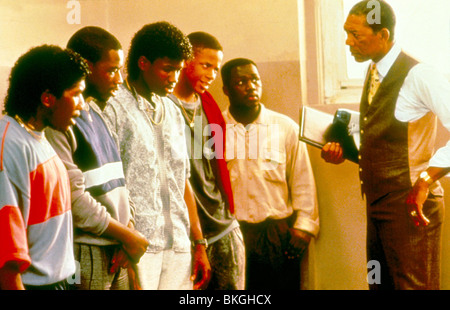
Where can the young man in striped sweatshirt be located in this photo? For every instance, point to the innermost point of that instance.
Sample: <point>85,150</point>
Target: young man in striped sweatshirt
<point>105,238</point>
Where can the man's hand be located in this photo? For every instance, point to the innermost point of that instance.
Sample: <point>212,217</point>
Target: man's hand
<point>298,244</point>
<point>415,200</point>
<point>10,278</point>
<point>201,271</point>
<point>135,245</point>
<point>332,152</point>
<point>119,260</point>
<point>133,242</point>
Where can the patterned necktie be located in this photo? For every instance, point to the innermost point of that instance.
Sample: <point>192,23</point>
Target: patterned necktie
<point>374,82</point>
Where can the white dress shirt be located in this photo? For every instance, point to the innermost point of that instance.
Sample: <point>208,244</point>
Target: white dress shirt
<point>426,90</point>
<point>270,171</point>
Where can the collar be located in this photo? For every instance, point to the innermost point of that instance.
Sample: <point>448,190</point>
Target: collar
<point>385,64</point>
<point>90,103</point>
<point>259,120</point>
<point>38,135</point>
<point>183,104</point>
<point>143,103</point>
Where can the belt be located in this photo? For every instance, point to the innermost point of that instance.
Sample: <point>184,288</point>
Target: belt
<point>232,226</point>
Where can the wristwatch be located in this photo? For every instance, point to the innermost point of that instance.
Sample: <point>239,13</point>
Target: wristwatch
<point>200,241</point>
<point>426,177</point>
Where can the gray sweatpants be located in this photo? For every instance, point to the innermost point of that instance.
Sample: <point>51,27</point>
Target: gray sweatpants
<point>95,263</point>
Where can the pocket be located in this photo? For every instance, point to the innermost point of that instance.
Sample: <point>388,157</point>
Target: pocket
<point>273,165</point>
<point>433,209</point>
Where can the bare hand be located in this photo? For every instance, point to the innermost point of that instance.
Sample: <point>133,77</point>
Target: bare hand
<point>119,260</point>
<point>201,273</point>
<point>415,200</point>
<point>135,246</point>
<point>332,152</point>
<point>298,244</point>
<point>133,277</point>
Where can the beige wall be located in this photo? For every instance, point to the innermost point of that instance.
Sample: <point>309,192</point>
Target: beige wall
<point>266,31</point>
<point>263,30</point>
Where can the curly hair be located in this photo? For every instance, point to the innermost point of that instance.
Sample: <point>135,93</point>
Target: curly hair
<point>157,40</point>
<point>43,68</point>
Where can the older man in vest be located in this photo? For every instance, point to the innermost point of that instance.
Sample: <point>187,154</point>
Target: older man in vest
<point>398,170</point>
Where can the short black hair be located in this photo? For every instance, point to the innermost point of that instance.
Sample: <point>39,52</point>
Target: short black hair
<point>387,15</point>
<point>157,40</point>
<point>202,39</point>
<point>43,68</point>
<point>92,42</point>
<point>233,63</point>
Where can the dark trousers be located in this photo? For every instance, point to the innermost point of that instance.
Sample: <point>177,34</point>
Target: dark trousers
<point>267,265</point>
<point>409,257</point>
<point>59,286</point>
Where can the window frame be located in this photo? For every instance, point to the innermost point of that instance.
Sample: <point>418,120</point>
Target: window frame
<point>338,87</point>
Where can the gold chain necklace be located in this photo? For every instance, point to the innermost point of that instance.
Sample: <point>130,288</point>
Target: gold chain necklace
<point>191,122</point>
<point>149,111</point>
<point>28,128</point>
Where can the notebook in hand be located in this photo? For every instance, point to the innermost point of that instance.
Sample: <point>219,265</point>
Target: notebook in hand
<point>318,127</point>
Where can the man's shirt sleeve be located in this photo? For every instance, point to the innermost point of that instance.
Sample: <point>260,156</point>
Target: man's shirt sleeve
<point>13,238</point>
<point>424,90</point>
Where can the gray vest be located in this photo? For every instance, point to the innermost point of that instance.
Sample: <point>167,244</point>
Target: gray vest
<point>383,156</point>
